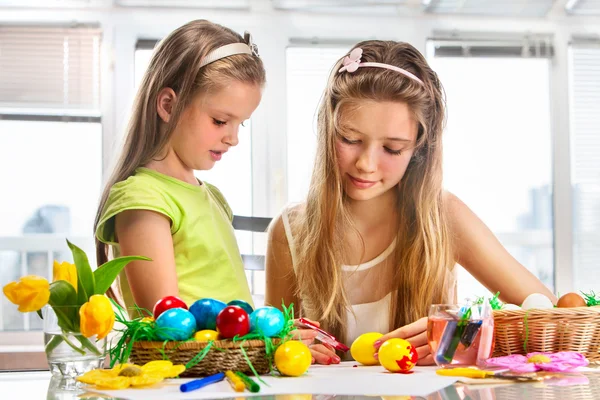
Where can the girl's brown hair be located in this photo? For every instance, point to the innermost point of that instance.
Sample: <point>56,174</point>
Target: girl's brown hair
<point>423,254</point>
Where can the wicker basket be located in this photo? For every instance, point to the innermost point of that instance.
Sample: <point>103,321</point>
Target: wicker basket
<point>559,329</point>
<point>224,355</point>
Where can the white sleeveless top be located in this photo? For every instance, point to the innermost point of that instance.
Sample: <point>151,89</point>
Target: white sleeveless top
<point>370,299</point>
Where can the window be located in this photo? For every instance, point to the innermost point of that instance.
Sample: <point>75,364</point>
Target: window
<point>498,151</point>
<point>307,70</point>
<point>584,71</point>
<point>51,135</point>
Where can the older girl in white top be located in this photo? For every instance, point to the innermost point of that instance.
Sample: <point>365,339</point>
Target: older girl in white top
<point>376,242</point>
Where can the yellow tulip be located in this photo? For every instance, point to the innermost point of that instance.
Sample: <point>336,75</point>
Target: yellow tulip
<point>97,317</point>
<point>66,272</point>
<point>31,293</point>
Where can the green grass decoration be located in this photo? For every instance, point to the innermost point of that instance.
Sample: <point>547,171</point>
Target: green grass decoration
<point>135,330</point>
<point>495,302</point>
<point>591,299</point>
<point>526,326</point>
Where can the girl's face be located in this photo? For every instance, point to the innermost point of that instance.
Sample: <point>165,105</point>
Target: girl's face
<point>209,126</point>
<point>374,146</point>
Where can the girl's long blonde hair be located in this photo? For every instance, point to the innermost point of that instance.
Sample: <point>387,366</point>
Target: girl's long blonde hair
<point>175,64</point>
<point>423,254</point>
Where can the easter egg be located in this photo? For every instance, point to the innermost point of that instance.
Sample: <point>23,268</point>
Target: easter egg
<point>510,307</point>
<point>536,300</point>
<point>362,348</point>
<point>205,311</point>
<point>232,321</point>
<point>166,303</point>
<point>397,355</point>
<point>206,335</point>
<point>175,324</point>
<point>293,358</point>
<point>571,300</point>
<point>241,303</point>
<point>267,320</point>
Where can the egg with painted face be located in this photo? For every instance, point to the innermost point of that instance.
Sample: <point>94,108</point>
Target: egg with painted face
<point>398,355</point>
<point>267,320</point>
<point>205,312</point>
<point>175,324</point>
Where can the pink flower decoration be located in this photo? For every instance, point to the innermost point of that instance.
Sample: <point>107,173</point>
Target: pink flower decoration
<point>352,61</point>
<point>554,362</point>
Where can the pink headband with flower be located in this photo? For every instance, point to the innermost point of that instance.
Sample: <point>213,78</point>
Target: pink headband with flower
<point>352,62</point>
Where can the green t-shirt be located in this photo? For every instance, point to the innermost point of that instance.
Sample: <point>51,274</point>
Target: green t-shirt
<point>207,257</point>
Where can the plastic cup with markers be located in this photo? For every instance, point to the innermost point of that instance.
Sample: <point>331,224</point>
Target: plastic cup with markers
<point>461,334</point>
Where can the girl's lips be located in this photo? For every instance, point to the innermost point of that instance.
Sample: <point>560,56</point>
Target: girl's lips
<point>361,183</point>
<point>216,155</point>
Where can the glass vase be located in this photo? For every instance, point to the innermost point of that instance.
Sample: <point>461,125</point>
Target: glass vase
<point>70,354</point>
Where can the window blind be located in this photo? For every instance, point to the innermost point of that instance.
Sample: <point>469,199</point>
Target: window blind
<point>584,63</point>
<point>486,44</point>
<point>50,70</point>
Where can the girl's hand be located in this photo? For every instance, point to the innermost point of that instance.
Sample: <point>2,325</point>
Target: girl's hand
<point>323,354</point>
<point>416,334</point>
<point>306,336</point>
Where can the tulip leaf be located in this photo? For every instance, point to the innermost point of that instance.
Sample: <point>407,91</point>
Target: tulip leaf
<point>63,300</point>
<point>85,276</point>
<point>106,274</point>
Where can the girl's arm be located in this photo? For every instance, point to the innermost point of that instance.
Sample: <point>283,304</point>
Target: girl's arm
<point>282,286</point>
<point>481,254</point>
<point>280,276</point>
<point>147,233</point>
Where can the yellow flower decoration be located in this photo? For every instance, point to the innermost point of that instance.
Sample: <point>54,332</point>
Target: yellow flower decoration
<point>125,375</point>
<point>31,293</point>
<point>97,317</point>
<point>66,272</point>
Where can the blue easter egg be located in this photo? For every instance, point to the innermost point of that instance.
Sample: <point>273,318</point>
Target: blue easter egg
<point>268,320</point>
<point>243,304</point>
<point>175,324</point>
<point>205,311</point>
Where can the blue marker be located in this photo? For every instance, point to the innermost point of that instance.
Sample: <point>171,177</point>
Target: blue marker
<point>200,383</point>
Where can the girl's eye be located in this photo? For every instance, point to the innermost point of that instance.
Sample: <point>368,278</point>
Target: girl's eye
<point>218,122</point>
<point>244,124</point>
<point>393,152</point>
<point>346,140</point>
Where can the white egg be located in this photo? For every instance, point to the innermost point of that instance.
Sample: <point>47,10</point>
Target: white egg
<point>510,307</point>
<point>536,300</point>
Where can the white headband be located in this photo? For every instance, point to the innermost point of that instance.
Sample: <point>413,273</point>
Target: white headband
<point>230,50</point>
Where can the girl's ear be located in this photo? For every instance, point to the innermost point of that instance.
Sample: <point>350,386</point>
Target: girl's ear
<point>165,103</point>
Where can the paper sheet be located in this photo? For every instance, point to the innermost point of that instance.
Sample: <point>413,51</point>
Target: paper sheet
<point>342,379</point>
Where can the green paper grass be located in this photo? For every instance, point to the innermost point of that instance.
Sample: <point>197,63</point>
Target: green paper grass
<point>137,330</point>
<point>591,298</point>
<point>495,302</point>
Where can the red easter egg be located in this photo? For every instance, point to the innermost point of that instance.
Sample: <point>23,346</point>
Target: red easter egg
<point>166,303</point>
<point>232,321</point>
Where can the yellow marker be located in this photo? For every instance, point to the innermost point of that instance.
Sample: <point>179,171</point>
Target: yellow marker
<point>479,374</point>
<point>235,381</point>
<point>465,372</point>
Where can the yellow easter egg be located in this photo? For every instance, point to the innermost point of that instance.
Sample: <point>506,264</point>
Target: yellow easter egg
<point>206,335</point>
<point>362,349</point>
<point>398,355</point>
<point>293,358</point>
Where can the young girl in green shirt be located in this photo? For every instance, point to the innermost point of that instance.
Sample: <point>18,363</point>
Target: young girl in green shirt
<point>202,82</point>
